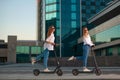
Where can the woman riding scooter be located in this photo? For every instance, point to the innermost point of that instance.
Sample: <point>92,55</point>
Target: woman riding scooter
<point>87,43</point>
<point>48,46</point>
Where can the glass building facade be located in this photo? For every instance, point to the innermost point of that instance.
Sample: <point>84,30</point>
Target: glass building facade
<point>106,32</point>
<point>92,7</point>
<point>107,35</point>
<point>68,16</point>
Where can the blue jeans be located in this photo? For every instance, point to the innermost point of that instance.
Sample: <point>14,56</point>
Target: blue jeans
<point>86,49</point>
<point>44,54</point>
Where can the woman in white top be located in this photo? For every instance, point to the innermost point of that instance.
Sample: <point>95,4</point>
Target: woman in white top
<point>87,43</point>
<point>48,46</point>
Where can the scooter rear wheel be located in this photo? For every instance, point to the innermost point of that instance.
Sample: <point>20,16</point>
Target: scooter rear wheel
<point>59,72</point>
<point>36,72</point>
<point>75,72</point>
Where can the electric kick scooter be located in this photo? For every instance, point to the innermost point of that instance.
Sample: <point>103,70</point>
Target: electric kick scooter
<point>57,70</point>
<point>95,70</point>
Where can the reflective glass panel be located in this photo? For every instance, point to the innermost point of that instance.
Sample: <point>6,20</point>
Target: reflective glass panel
<point>50,16</point>
<point>51,8</point>
<point>50,1</point>
<point>107,35</point>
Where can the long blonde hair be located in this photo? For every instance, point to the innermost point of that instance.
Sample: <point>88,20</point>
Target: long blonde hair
<point>50,30</point>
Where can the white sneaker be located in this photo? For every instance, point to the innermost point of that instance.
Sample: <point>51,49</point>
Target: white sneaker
<point>86,70</point>
<point>71,58</point>
<point>46,70</point>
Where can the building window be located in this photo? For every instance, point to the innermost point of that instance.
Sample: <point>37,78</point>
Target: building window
<point>98,3</point>
<point>92,7</point>
<point>83,15</point>
<point>88,11</point>
<point>83,7</point>
<point>73,7</point>
<point>36,50</point>
<point>22,50</point>
<point>50,8</point>
<point>73,24</point>
<point>73,1</point>
<point>73,16</point>
<point>109,51</point>
<point>50,1</point>
<point>88,3</point>
<point>50,16</point>
<point>83,23</point>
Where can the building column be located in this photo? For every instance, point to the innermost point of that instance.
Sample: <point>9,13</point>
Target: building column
<point>12,42</point>
<point>30,53</point>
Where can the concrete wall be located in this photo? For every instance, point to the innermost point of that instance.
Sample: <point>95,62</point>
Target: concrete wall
<point>3,52</point>
<point>12,41</point>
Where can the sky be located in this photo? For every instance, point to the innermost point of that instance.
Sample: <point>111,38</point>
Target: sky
<point>19,18</point>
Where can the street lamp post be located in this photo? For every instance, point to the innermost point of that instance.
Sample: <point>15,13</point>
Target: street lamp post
<point>80,18</point>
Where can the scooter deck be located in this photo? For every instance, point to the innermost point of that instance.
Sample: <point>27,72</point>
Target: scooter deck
<point>49,72</point>
<point>85,71</point>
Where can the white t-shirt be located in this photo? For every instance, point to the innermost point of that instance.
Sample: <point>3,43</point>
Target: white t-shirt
<point>87,40</point>
<point>51,38</point>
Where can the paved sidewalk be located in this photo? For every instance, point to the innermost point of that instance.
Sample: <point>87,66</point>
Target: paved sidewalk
<point>24,72</point>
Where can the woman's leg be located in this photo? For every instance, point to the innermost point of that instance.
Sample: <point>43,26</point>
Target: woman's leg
<point>46,55</point>
<point>86,49</point>
<point>41,55</point>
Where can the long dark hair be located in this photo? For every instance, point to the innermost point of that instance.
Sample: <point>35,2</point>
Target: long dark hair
<point>50,30</point>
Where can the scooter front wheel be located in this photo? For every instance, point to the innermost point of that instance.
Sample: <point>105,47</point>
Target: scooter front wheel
<point>36,72</point>
<point>75,72</point>
<point>59,72</point>
<point>98,72</point>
